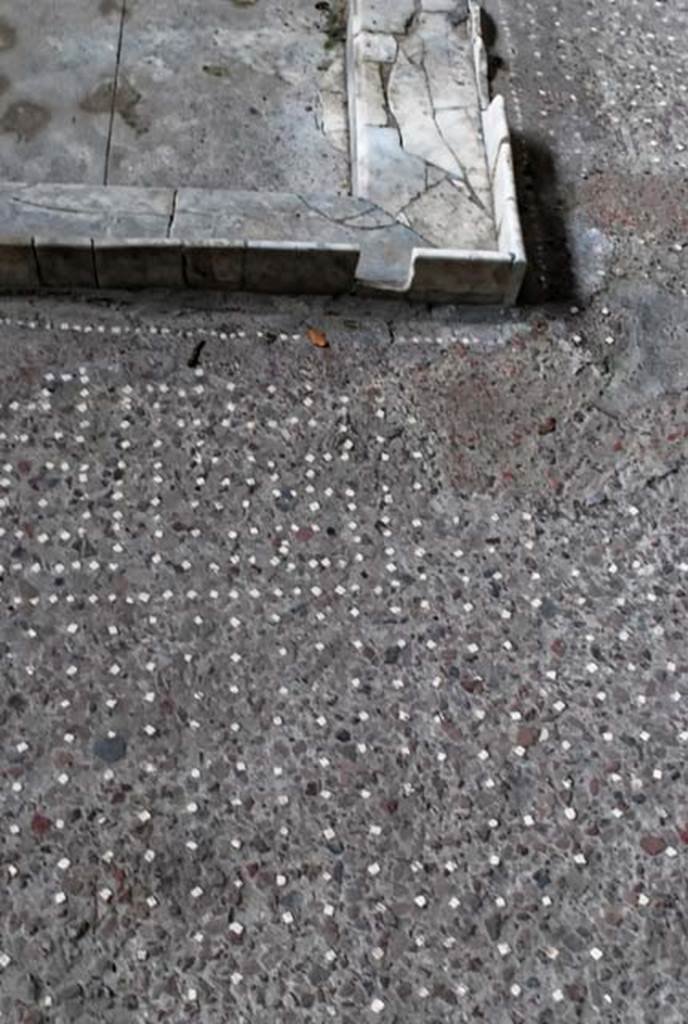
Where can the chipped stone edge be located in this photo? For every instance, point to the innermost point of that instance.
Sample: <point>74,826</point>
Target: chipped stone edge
<point>66,260</point>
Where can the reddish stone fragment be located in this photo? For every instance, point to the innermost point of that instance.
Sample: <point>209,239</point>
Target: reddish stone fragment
<point>576,992</point>
<point>119,876</point>
<point>40,824</point>
<point>527,736</point>
<point>653,845</point>
<point>472,684</point>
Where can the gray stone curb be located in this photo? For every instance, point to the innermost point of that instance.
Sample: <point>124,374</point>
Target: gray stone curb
<point>109,237</point>
<point>286,267</point>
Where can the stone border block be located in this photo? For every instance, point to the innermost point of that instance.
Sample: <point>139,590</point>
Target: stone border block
<point>471,276</point>
<point>18,266</point>
<point>511,240</point>
<point>214,263</point>
<point>138,263</point>
<point>65,263</point>
<point>84,211</point>
<point>501,166</point>
<point>495,130</point>
<point>300,268</point>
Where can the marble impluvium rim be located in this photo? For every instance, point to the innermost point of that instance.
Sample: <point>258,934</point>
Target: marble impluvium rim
<point>433,214</point>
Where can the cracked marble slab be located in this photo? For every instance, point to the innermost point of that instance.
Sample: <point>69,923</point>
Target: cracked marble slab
<point>416,123</point>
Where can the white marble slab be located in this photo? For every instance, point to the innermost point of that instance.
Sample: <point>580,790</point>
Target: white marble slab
<point>416,131</point>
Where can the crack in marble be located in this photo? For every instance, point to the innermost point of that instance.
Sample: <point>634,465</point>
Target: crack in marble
<point>348,221</point>
<point>421,118</point>
<point>173,212</point>
<point>465,177</point>
<point>428,188</point>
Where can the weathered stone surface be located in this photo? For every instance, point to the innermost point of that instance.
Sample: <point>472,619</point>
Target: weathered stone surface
<point>304,269</point>
<point>503,191</point>
<point>475,277</point>
<point>226,96</point>
<point>503,182</point>
<point>417,119</point>
<point>214,264</point>
<point>470,218</point>
<point>387,265</point>
<point>495,130</point>
<point>387,174</point>
<point>18,266</point>
<point>480,62</point>
<point>550,554</point>
<point>458,8</point>
<point>65,263</point>
<point>443,52</point>
<point>389,16</point>
<point>414,113</point>
<point>68,211</point>
<point>138,265</point>
<point>370,97</point>
<point>332,106</point>
<point>460,129</point>
<point>377,47</point>
<point>55,107</point>
<point>260,216</point>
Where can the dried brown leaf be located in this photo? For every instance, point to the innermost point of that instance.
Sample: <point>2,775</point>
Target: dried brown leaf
<point>317,338</point>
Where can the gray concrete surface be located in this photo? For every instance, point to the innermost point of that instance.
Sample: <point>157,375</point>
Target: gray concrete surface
<point>54,57</point>
<point>351,683</point>
<point>245,109</point>
<point>226,96</point>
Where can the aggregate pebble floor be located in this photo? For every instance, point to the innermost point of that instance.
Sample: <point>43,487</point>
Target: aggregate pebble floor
<point>351,684</point>
<point>306,717</point>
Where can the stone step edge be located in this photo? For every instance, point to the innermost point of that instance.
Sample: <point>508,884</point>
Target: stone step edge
<point>473,277</point>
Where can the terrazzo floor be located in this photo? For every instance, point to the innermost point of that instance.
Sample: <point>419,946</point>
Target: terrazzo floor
<point>319,703</point>
<point>491,829</point>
